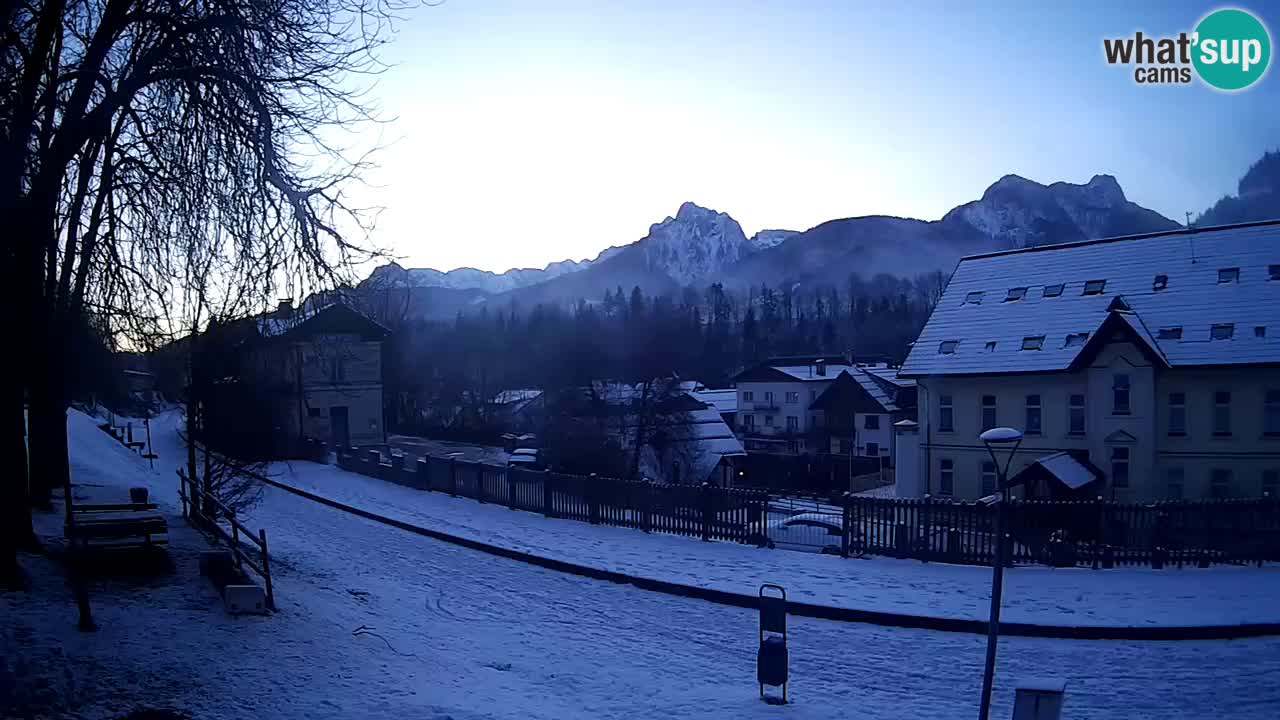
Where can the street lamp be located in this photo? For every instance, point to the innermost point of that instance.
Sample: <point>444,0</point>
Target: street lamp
<point>1001,437</point>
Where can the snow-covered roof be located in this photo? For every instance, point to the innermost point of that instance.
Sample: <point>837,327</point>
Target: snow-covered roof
<point>1068,470</point>
<point>1178,286</point>
<point>724,401</point>
<point>874,389</point>
<point>810,372</point>
<point>890,375</point>
<point>520,395</point>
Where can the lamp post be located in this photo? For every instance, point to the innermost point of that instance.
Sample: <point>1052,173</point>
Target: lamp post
<point>1001,437</point>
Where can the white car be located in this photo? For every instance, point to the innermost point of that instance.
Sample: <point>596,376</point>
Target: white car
<point>806,532</point>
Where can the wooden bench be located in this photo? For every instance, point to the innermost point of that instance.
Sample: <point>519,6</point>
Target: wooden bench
<point>117,526</point>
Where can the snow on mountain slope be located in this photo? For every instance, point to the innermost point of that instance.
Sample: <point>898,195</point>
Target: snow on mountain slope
<point>695,244</point>
<point>772,238</point>
<point>1017,212</point>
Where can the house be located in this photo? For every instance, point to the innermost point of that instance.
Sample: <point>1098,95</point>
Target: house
<point>724,401</point>
<point>821,404</point>
<point>1138,368</point>
<point>324,368</point>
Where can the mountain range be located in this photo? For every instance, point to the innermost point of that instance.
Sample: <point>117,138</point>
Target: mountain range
<point>699,246</point>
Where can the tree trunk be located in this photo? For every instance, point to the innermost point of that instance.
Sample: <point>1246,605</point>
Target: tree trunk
<point>17,532</point>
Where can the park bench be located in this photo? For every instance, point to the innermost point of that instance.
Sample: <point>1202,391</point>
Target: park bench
<point>110,526</point>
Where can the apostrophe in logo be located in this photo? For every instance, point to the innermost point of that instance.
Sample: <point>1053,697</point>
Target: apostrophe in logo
<point>1233,49</point>
<point>1229,49</point>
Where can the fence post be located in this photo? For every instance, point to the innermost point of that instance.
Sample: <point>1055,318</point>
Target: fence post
<point>1097,538</point>
<point>235,539</point>
<point>547,507</point>
<point>926,527</point>
<point>704,495</point>
<point>844,523</point>
<point>511,489</point>
<point>266,568</point>
<point>592,491</point>
<point>646,512</point>
<point>453,477</point>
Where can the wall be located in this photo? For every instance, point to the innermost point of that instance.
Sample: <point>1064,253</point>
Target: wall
<point>808,392</point>
<point>1152,451</point>
<point>364,413</point>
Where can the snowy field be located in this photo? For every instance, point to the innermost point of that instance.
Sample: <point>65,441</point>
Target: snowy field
<point>470,635</point>
<point>1058,596</point>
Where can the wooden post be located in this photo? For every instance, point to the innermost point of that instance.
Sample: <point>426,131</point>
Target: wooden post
<point>1097,538</point>
<point>511,488</point>
<point>592,491</point>
<point>235,539</point>
<point>547,508</point>
<point>844,524</point>
<point>705,496</point>
<point>266,569</point>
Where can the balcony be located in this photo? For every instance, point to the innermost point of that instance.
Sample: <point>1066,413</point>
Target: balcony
<point>761,406</point>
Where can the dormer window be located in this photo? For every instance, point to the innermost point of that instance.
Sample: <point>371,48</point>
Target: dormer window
<point>1033,342</point>
<point>1228,275</point>
<point>1260,331</point>
<point>1053,290</point>
<point>991,346</point>
<point>947,347</point>
<point>1273,272</point>
<point>1075,339</point>
<point>973,298</point>
<point>1094,287</point>
<point>1222,331</point>
<point>1160,283</point>
<point>1169,333</point>
<point>1015,294</point>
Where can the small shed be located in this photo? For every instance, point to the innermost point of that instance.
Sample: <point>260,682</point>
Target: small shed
<point>1066,475</point>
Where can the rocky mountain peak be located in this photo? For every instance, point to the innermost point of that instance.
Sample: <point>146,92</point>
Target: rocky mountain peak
<point>694,244</point>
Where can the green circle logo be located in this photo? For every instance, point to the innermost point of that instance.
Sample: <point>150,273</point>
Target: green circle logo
<point>1232,49</point>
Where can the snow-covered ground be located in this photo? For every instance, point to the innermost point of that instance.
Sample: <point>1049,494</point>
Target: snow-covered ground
<point>1057,596</point>
<point>468,635</point>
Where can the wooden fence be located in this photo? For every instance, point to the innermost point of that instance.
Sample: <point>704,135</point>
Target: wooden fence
<point>215,518</point>
<point>1091,534</point>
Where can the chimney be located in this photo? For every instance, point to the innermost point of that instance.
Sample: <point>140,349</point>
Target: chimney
<point>285,308</point>
<point>821,365</point>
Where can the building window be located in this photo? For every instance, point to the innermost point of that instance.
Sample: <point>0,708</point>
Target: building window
<point>1160,283</point>
<point>1222,413</point>
<point>873,449</point>
<point>793,423</point>
<point>988,412</point>
<point>1175,481</point>
<point>1270,483</point>
<point>748,396</point>
<point>947,347</point>
<point>1120,394</point>
<point>793,397</point>
<point>1271,413</point>
<point>768,398</point>
<point>988,478</point>
<point>768,421</point>
<point>813,395</point>
<point>1228,275</point>
<point>1120,467</point>
<point>871,422</point>
<point>313,412</point>
<point>1094,287</point>
<point>1075,339</point>
<point>973,298</point>
<point>1033,342</point>
<point>1053,290</point>
<point>1033,415</point>
<point>1222,331</point>
<point>844,446</point>
<point>1220,483</point>
<point>1075,417</point>
<point>1273,272</point>
<point>749,422</point>
<point>1259,331</point>
<point>1169,333</point>
<point>1177,414</point>
<point>946,478</point>
<point>815,421</point>
<point>946,414</point>
<point>1015,294</point>
<point>990,346</point>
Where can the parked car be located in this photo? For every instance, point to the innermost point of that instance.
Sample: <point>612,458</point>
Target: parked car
<point>806,532</point>
<point>526,458</point>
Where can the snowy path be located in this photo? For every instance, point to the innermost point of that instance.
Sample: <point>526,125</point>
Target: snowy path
<point>492,638</point>
<point>1072,596</point>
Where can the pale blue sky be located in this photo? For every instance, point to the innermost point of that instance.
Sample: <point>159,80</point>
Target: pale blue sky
<point>530,131</point>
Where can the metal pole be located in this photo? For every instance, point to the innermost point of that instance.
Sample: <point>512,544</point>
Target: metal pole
<point>997,584</point>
